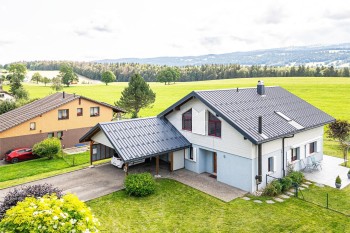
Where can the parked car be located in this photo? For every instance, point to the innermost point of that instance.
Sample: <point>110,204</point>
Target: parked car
<point>19,154</point>
<point>119,163</point>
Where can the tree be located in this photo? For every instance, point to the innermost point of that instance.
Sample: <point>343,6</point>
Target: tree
<point>168,75</point>
<point>50,214</point>
<point>46,80</point>
<point>340,130</point>
<point>67,75</point>
<point>136,96</point>
<point>21,93</point>
<point>49,147</point>
<point>108,77</point>
<point>6,106</point>
<point>37,77</point>
<point>56,83</point>
<point>17,74</point>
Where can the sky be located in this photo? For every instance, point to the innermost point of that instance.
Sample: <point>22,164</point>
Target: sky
<point>85,30</point>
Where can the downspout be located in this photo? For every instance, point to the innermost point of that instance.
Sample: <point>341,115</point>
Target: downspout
<point>258,177</point>
<point>283,167</point>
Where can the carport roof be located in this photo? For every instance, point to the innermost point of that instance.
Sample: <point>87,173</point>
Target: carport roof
<point>140,138</point>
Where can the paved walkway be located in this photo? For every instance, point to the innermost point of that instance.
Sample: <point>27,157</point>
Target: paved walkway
<point>87,184</point>
<point>331,168</point>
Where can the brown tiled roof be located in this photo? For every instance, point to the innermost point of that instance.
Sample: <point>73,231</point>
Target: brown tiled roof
<point>41,106</point>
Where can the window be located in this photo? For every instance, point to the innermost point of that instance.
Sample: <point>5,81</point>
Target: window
<point>190,154</point>
<point>187,120</point>
<point>2,95</point>
<point>94,111</point>
<point>79,111</point>
<point>313,147</point>
<point>214,126</point>
<point>271,164</point>
<point>63,114</point>
<point>50,135</point>
<point>60,135</point>
<point>32,126</point>
<point>295,154</point>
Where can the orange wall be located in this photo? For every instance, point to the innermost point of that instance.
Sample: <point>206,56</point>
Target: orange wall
<point>49,122</point>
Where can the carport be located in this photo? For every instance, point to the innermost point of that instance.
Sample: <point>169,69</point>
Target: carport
<point>137,139</point>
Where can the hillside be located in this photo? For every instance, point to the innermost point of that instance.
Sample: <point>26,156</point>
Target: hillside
<point>337,55</point>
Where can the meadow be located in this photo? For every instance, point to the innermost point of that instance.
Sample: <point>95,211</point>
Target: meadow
<point>328,94</point>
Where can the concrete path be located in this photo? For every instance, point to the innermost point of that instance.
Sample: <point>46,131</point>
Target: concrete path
<point>87,184</point>
<point>331,168</point>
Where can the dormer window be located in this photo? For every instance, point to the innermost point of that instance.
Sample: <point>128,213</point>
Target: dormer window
<point>214,126</point>
<point>187,120</point>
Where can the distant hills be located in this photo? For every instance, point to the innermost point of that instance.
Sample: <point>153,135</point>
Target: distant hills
<point>337,55</point>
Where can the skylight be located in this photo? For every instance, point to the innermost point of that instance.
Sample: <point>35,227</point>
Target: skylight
<point>283,116</point>
<point>290,121</point>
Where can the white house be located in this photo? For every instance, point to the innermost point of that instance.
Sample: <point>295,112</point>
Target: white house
<point>242,137</point>
<point>5,95</point>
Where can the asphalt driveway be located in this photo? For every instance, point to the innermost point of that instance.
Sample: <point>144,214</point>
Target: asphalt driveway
<point>87,183</point>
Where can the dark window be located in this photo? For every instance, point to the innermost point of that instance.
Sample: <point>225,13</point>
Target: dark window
<point>2,95</point>
<point>60,135</point>
<point>32,126</point>
<point>313,147</point>
<point>191,153</point>
<point>214,126</point>
<point>94,111</point>
<point>187,120</point>
<point>79,111</point>
<point>50,135</point>
<point>271,164</point>
<point>295,154</point>
<point>63,114</point>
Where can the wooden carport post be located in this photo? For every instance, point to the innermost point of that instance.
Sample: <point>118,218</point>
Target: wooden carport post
<point>157,166</point>
<point>126,169</point>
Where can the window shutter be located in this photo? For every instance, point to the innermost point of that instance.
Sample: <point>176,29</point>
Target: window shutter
<point>318,146</point>
<point>194,151</point>
<point>274,164</point>
<point>289,155</point>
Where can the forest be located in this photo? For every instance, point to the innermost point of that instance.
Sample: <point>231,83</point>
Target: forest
<point>190,73</point>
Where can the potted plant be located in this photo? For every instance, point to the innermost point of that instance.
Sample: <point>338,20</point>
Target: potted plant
<point>338,182</point>
<point>349,174</point>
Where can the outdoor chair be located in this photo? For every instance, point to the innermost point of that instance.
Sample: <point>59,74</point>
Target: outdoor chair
<point>307,166</point>
<point>316,164</point>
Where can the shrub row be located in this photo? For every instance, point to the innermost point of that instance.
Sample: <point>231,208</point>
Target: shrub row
<point>140,185</point>
<point>277,187</point>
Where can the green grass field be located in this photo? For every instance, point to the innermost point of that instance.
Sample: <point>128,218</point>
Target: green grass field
<point>178,208</point>
<point>328,94</point>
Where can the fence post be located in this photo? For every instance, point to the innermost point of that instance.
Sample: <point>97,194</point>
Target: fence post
<point>327,200</point>
<point>296,189</point>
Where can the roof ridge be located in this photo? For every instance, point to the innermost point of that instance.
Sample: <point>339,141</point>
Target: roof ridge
<point>232,89</point>
<point>127,120</point>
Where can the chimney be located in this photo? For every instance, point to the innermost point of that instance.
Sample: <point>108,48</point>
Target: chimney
<point>261,87</point>
<point>63,94</point>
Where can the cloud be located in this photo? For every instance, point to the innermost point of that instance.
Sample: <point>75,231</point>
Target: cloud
<point>339,15</point>
<point>5,42</point>
<point>210,41</point>
<point>273,15</point>
<point>102,28</point>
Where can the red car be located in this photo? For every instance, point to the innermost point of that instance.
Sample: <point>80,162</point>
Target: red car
<point>19,154</point>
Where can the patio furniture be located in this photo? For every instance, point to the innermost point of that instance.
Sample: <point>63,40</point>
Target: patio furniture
<point>308,166</point>
<point>316,164</point>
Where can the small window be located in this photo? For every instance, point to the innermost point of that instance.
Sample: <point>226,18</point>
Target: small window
<point>2,95</point>
<point>214,126</point>
<point>60,135</point>
<point>295,154</point>
<point>187,120</point>
<point>313,147</point>
<point>271,164</point>
<point>50,135</point>
<point>79,111</point>
<point>94,111</point>
<point>63,114</point>
<point>189,153</point>
<point>32,126</point>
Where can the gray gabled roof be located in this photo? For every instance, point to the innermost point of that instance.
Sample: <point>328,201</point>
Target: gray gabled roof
<point>140,138</point>
<point>242,107</point>
<point>29,111</point>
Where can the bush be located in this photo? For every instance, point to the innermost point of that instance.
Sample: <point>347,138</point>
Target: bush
<point>140,185</point>
<point>338,180</point>
<point>273,188</point>
<point>286,183</point>
<point>13,197</point>
<point>6,106</point>
<point>49,148</point>
<point>49,214</point>
<point>297,177</point>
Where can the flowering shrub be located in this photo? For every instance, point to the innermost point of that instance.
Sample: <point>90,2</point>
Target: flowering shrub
<point>19,194</point>
<point>49,214</point>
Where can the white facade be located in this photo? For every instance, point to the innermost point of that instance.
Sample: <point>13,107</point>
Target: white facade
<point>5,96</point>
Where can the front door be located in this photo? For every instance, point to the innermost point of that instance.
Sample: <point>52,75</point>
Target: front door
<point>214,163</point>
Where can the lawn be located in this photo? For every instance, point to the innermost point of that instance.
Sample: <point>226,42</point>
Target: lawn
<point>178,208</point>
<point>40,168</point>
<point>329,94</point>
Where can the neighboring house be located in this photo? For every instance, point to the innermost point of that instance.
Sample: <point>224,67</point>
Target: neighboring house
<point>62,115</point>
<point>240,136</point>
<point>5,95</point>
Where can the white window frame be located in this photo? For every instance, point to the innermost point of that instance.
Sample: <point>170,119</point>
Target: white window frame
<point>273,169</point>
<point>32,126</point>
